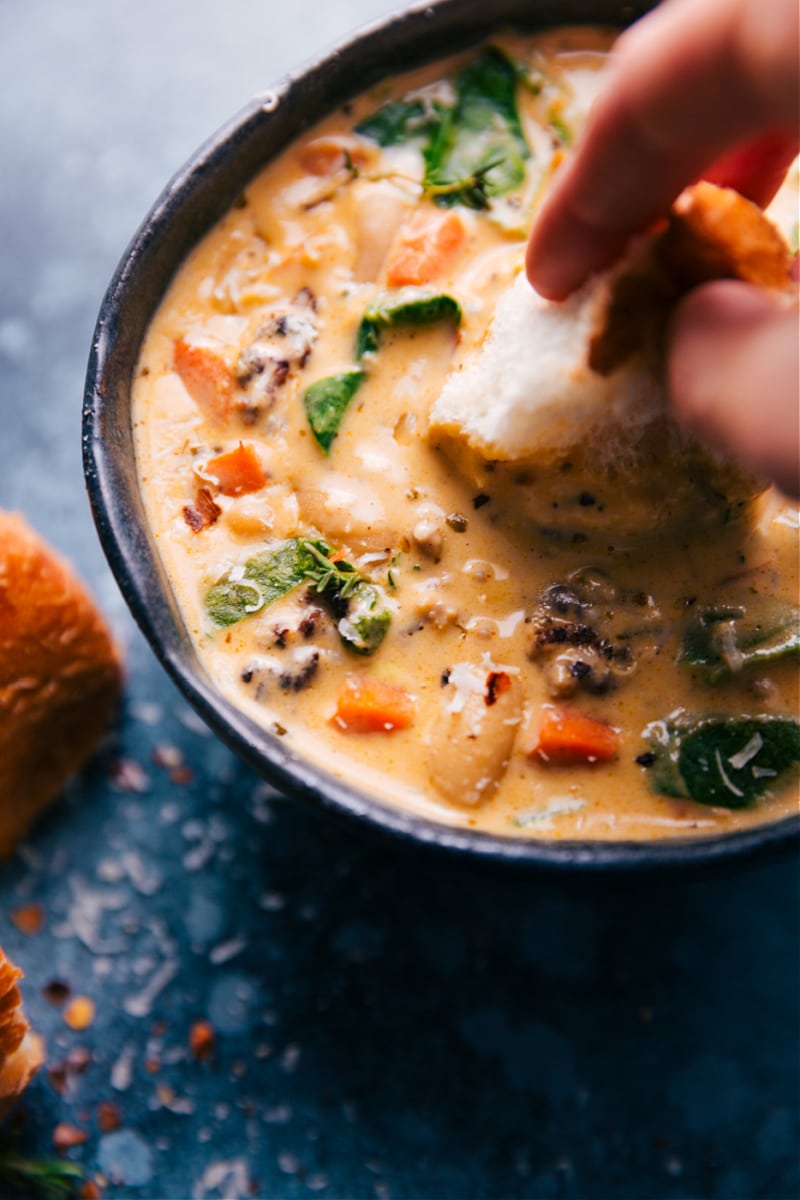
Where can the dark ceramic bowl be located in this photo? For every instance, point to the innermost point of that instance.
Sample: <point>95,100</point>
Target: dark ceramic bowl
<point>191,203</point>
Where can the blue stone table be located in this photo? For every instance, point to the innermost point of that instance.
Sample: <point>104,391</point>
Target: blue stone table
<point>386,1026</point>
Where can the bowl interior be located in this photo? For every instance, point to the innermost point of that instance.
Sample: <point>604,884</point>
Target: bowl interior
<point>191,203</point>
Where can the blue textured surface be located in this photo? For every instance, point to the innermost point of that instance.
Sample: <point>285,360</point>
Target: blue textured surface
<point>388,1026</point>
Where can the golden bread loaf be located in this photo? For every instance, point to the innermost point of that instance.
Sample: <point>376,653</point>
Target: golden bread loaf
<point>21,1051</point>
<point>60,676</point>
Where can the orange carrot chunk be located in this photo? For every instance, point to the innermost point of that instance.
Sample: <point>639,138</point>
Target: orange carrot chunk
<point>424,247</point>
<point>206,377</point>
<point>237,472</point>
<point>568,737</point>
<point>371,706</point>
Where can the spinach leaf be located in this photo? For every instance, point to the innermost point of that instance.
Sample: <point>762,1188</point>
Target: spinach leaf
<point>724,761</point>
<point>725,639</point>
<point>474,149</point>
<point>400,121</point>
<point>406,307</point>
<point>228,601</point>
<point>266,578</point>
<point>367,620</point>
<point>326,403</point>
<point>360,606</point>
<point>478,149</point>
<point>278,571</point>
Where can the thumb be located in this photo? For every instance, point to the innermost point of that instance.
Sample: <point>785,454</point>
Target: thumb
<point>733,373</point>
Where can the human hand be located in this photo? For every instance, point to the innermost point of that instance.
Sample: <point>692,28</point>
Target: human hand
<point>709,90</point>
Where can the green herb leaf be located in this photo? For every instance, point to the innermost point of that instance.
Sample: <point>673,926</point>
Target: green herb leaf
<point>326,403</point>
<point>366,618</point>
<point>727,638</point>
<point>228,601</point>
<point>52,1178</point>
<point>478,149</point>
<point>266,578</point>
<point>367,621</point>
<point>360,605</point>
<point>723,761</point>
<point>404,308</point>
<point>336,579</point>
<point>400,121</point>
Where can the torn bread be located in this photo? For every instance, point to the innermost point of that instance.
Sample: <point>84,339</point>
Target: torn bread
<point>563,409</point>
<point>21,1051</point>
<point>60,676</point>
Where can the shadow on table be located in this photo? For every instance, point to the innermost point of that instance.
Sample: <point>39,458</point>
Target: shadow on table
<point>538,1036</point>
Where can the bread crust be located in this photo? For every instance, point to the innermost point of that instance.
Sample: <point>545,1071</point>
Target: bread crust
<point>21,1051</point>
<point>60,676</point>
<point>711,233</point>
<point>715,233</point>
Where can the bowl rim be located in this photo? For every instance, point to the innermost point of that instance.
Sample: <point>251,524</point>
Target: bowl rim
<point>150,261</point>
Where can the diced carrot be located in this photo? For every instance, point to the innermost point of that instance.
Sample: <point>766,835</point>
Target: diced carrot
<point>569,737</point>
<point>237,472</point>
<point>371,706</point>
<point>206,377</point>
<point>424,247</point>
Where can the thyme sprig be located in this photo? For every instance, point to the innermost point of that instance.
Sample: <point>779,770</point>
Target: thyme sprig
<point>339,577</point>
<point>51,1178</point>
<point>470,190</point>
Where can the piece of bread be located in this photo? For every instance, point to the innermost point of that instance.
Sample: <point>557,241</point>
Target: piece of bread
<point>21,1051</point>
<point>568,400</point>
<point>60,676</point>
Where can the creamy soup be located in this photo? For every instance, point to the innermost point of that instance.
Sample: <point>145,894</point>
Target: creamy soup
<point>352,588</point>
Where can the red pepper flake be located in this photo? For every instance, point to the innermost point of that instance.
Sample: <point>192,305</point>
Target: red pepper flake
<point>204,512</point>
<point>28,918</point>
<point>109,1117</point>
<point>79,1013</point>
<point>201,1040</point>
<point>56,992</point>
<point>497,682</point>
<point>151,1065</point>
<point>65,1136</point>
<point>181,775</point>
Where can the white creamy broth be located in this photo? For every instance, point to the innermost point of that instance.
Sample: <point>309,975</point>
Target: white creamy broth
<point>467,661</point>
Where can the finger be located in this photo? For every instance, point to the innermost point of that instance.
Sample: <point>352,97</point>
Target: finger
<point>690,82</point>
<point>733,369</point>
<point>758,168</point>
